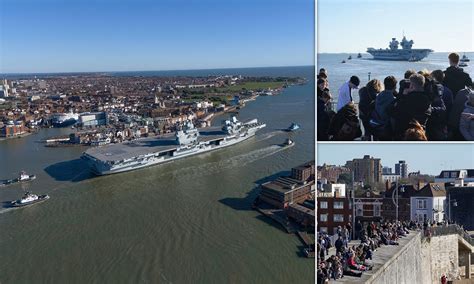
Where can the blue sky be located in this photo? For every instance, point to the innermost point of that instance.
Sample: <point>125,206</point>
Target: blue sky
<point>107,35</point>
<point>354,25</point>
<point>428,158</point>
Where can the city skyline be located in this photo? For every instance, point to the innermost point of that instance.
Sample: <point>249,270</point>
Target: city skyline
<point>417,156</point>
<point>100,36</point>
<point>353,26</point>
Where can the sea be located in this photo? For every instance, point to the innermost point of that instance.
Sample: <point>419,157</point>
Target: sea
<point>187,221</point>
<point>366,67</point>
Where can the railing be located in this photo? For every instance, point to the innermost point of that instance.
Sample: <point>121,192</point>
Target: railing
<point>449,230</point>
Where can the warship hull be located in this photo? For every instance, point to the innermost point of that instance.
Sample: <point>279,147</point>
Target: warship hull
<point>400,55</point>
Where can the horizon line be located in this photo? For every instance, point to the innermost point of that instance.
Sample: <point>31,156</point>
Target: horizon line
<point>348,52</point>
<point>155,70</point>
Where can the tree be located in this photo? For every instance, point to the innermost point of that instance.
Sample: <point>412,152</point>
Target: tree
<point>345,178</point>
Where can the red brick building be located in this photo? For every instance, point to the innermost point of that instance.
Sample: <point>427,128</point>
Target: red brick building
<point>11,130</point>
<point>333,212</point>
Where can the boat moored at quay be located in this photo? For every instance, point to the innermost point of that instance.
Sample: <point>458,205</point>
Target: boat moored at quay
<point>187,141</point>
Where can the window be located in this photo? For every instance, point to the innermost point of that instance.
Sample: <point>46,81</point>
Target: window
<point>421,203</point>
<point>338,205</point>
<point>323,204</point>
<point>454,175</point>
<point>323,229</point>
<point>446,174</point>
<point>338,218</point>
<point>376,210</point>
<point>323,217</point>
<point>359,210</point>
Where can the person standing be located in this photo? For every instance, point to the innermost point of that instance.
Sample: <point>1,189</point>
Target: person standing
<point>415,105</point>
<point>345,92</point>
<point>455,77</point>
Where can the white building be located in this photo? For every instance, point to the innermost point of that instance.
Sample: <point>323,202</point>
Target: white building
<point>390,178</point>
<point>331,189</point>
<point>428,203</point>
<point>451,176</point>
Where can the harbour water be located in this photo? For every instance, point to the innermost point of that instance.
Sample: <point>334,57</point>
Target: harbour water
<point>341,72</point>
<point>188,221</point>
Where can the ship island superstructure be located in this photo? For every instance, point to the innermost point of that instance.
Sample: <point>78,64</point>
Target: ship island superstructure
<point>186,141</point>
<point>406,53</point>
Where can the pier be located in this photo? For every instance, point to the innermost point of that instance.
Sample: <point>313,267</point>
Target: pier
<point>279,216</point>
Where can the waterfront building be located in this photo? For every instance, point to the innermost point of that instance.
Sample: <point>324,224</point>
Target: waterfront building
<point>13,129</point>
<point>368,207</point>
<point>401,168</point>
<point>303,172</point>
<point>389,209</point>
<point>333,212</point>
<point>284,191</point>
<point>428,203</point>
<point>451,176</point>
<point>302,213</point>
<point>459,201</point>
<point>367,170</point>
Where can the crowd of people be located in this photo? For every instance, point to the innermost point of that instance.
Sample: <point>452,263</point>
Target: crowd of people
<point>435,106</point>
<point>354,260</point>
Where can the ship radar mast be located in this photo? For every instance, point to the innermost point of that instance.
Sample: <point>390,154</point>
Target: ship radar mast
<point>393,44</point>
<point>406,44</point>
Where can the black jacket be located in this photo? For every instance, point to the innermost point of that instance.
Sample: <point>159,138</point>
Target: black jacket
<point>345,124</point>
<point>412,106</point>
<point>366,102</point>
<point>456,79</point>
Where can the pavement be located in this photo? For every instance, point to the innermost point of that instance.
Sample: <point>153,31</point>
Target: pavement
<point>379,258</point>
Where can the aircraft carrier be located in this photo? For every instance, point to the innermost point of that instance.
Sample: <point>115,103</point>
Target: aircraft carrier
<point>187,141</point>
<point>407,53</point>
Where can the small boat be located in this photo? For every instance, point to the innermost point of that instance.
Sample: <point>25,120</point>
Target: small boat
<point>29,199</point>
<point>343,61</point>
<point>465,58</point>
<point>412,59</point>
<point>463,64</point>
<point>293,127</point>
<point>349,58</point>
<point>23,177</point>
<point>359,55</point>
<point>288,142</point>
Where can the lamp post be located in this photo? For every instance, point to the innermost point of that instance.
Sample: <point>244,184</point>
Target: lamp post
<point>402,189</point>
<point>455,204</point>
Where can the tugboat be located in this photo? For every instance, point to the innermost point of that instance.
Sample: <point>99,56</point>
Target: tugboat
<point>29,199</point>
<point>22,178</point>
<point>293,127</point>
<point>288,142</point>
<point>359,55</point>
<point>343,61</point>
<point>349,58</point>
<point>464,58</point>
<point>463,64</point>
